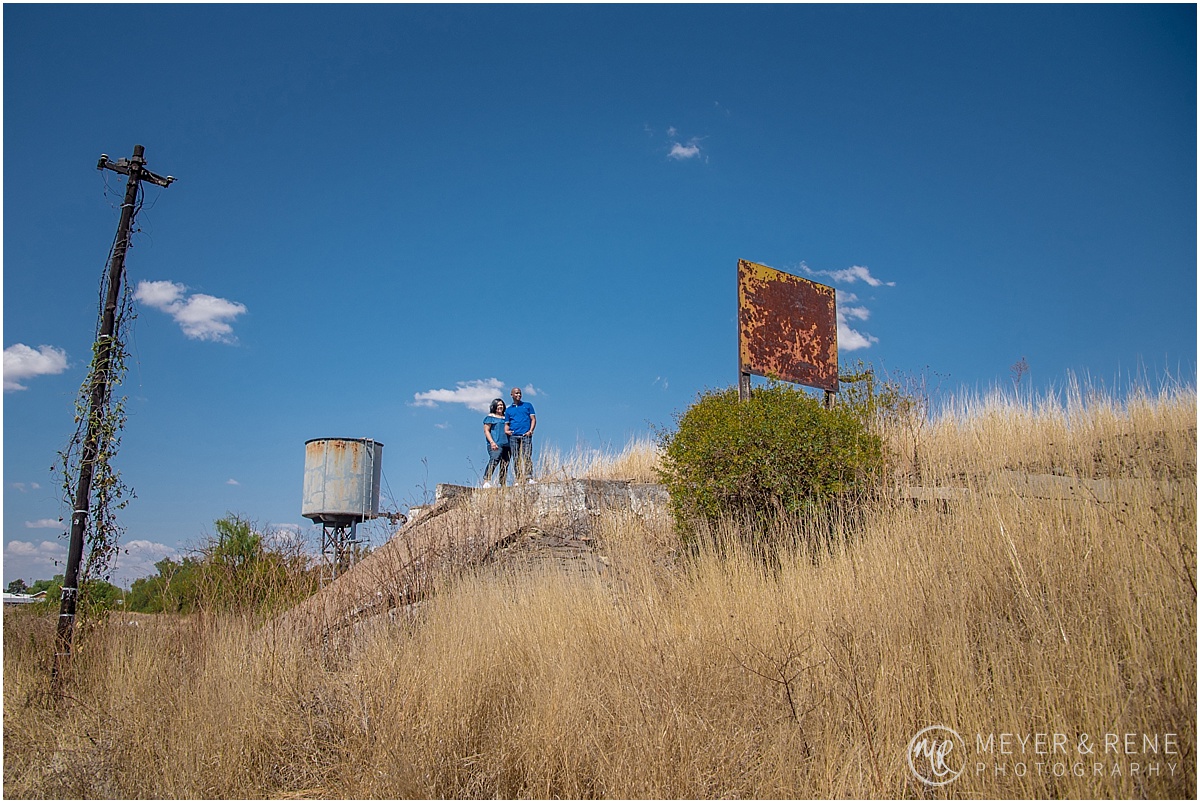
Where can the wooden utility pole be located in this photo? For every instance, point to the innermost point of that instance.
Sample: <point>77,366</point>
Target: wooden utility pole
<point>134,168</point>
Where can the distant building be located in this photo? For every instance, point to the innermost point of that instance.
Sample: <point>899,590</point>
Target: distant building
<point>23,599</point>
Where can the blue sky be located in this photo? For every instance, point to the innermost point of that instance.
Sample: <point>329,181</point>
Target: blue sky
<point>386,213</point>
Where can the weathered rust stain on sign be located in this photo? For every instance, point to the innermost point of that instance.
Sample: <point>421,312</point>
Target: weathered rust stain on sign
<point>787,327</point>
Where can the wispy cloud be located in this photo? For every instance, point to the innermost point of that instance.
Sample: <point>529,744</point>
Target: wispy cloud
<point>34,561</point>
<point>200,316</point>
<point>850,339</point>
<point>850,275</point>
<point>137,559</point>
<point>288,532</point>
<point>26,487</point>
<point>689,151</point>
<point>681,150</point>
<point>849,307</point>
<point>25,549</point>
<point>232,481</point>
<point>22,362</point>
<point>44,524</point>
<point>42,560</point>
<point>476,394</point>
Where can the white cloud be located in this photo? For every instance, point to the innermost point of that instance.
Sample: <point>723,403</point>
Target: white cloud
<point>26,487</point>
<point>25,549</point>
<point>855,313</point>
<point>681,149</point>
<point>477,394</point>
<point>41,561</point>
<point>290,536</point>
<point>200,316</point>
<point>688,151</point>
<point>850,275</point>
<point>203,317</point>
<point>141,548</point>
<point>284,534</point>
<point>22,362</point>
<point>850,339</point>
<point>300,539</point>
<point>137,558</point>
<point>34,561</point>
<point>44,524</point>
<point>160,295</point>
<point>848,306</point>
<point>289,532</point>
<point>232,481</point>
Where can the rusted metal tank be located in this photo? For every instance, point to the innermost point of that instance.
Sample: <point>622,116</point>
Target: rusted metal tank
<point>341,480</point>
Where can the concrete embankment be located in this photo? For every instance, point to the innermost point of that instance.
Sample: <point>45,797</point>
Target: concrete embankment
<point>466,527</point>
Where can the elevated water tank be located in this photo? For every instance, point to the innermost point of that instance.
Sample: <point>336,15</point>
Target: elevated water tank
<point>341,480</point>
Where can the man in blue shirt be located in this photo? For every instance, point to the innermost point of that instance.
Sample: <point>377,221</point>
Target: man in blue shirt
<point>519,423</point>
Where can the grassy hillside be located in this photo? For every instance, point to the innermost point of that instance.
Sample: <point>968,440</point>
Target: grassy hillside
<point>1036,616</point>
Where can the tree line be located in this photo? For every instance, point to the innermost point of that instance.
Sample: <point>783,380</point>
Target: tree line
<point>236,569</point>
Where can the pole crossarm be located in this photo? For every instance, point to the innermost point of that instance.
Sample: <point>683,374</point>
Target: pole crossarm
<point>126,167</point>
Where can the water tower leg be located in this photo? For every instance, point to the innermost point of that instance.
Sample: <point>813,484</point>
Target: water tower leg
<point>333,538</point>
<point>337,543</point>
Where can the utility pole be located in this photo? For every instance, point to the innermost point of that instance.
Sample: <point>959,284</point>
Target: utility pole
<point>134,168</point>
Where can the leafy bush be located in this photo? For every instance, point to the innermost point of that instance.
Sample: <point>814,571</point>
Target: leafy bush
<point>238,570</point>
<point>175,589</point>
<point>777,454</point>
<point>95,595</point>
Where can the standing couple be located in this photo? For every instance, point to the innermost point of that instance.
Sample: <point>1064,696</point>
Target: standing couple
<point>509,433</point>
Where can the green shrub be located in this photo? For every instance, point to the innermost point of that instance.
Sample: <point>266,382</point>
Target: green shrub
<point>95,595</point>
<point>238,570</point>
<point>775,455</point>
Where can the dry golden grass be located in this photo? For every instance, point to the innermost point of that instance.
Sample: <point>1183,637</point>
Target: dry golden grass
<point>1080,432</point>
<point>636,462</point>
<point>703,675</point>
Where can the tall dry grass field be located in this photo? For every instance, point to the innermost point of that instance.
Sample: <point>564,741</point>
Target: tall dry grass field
<point>1032,621</point>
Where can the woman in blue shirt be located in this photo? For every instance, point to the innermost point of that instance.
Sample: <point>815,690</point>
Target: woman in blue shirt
<point>497,444</point>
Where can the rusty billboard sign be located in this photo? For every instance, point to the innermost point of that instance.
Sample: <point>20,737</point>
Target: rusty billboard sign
<point>787,328</point>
